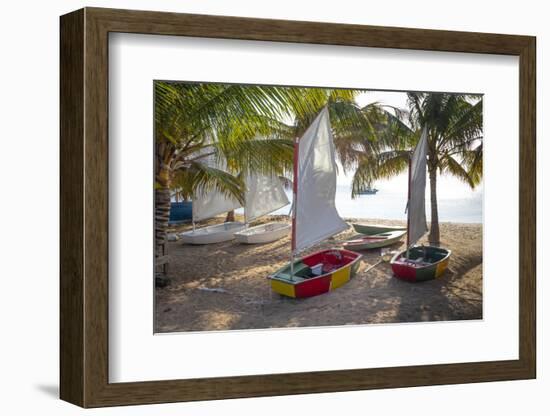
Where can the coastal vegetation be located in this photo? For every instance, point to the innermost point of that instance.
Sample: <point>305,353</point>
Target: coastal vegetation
<point>207,136</point>
<point>455,144</point>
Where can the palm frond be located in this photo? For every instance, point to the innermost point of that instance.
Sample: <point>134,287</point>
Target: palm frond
<point>200,178</point>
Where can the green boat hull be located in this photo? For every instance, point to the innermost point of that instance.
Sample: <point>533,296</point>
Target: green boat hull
<point>368,242</point>
<point>370,229</point>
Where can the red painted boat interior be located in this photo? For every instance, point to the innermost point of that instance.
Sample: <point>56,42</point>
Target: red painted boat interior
<point>331,259</point>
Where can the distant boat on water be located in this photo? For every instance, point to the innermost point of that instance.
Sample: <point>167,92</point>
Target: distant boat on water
<point>368,191</point>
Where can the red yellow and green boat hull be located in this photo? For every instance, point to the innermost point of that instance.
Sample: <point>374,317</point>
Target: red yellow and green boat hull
<point>338,267</point>
<point>423,263</point>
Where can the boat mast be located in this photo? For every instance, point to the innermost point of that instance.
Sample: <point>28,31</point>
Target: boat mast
<point>294,204</point>
<point>409,206</point>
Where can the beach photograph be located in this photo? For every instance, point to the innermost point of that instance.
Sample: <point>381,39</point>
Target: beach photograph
<point>291,206</point>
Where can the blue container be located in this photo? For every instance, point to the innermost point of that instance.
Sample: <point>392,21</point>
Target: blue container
<point>180,212</point>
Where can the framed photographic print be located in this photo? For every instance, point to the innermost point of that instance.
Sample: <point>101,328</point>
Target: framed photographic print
<point>256,207</point>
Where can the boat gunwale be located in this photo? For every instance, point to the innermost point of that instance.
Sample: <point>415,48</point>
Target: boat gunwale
<point>200,231</point>
<point>382,227</point>
<point>393,259</point>
<point>351,263</point>
<point>247,230</point>
<point>361,239</point>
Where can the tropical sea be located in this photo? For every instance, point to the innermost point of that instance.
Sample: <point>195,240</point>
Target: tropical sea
<point>456,201</point>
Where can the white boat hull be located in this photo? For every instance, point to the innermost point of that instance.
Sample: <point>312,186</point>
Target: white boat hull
<point>265,233</point>
<point>212,234</point>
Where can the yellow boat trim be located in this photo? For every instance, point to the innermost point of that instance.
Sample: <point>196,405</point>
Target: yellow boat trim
<point>283,288</point>
<point>441,268</point>
<point>340,277</point>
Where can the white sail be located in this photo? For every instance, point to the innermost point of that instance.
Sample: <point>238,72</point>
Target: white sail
<point>315,213</point>
<point>417,189</point>
<point>211,202</point>
<point>264,194</point>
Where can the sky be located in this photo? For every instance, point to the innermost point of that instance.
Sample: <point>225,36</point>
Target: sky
<point>448,187</point>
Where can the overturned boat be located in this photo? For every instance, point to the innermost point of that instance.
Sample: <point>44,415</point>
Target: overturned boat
<point>419,263</point>
<point>314,219</point>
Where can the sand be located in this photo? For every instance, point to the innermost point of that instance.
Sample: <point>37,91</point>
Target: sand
<point>223,286</point>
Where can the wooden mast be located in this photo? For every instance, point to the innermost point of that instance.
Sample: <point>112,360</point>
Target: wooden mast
<point>294,205</point>
<point>409,207</point>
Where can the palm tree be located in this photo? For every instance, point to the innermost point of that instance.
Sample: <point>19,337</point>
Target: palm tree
<point>238,124</point>
<point>455,144</point>
<point>354,129</point>
<point>245,127</point>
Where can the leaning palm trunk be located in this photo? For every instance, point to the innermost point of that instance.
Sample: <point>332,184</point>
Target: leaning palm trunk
<point>434,227</point>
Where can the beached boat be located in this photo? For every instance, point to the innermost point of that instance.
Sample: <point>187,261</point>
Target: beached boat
<point>208,203</point>
<point>264,233</point>
<point>315,274</point>
<point>314,219</point>
<point>419,263</point>
<point>212,234</point>
<point>370,229</point>
<point>367,242</point>
<point>264,194</point>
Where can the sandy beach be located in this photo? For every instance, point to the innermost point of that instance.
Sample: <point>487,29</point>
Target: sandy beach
<point>223,286</point>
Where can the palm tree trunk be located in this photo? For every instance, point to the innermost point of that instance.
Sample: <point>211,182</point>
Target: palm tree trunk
<point>163,179</point>
<point>433,237</point>
<point>162,215</point>
<point>230,216</point>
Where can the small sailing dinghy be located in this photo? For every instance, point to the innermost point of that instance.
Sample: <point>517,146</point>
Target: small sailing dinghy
<point>208,204</point>
<point>314,219</point>
<point>368,242</point>
<point>264,233</point>
<point>264,194</point>
<point>419,263</point>
<point>370,229</point>
<point>212,234</point>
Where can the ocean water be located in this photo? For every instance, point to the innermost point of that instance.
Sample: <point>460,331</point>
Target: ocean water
<point>456,202</point>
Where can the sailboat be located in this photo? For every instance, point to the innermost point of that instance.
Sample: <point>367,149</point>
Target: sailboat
<point>419,263</point>
<point>264,194</point>
<point>369,190</point>
<point>314,219</point>
<point>208,204</point>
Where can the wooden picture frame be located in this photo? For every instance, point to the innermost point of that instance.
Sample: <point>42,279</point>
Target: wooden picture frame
<point>84,207</point>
